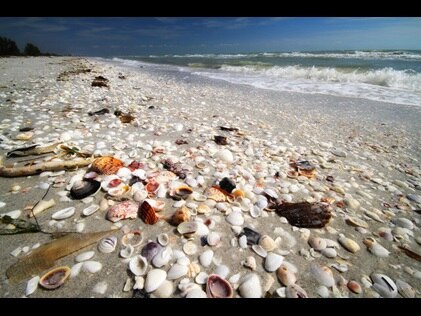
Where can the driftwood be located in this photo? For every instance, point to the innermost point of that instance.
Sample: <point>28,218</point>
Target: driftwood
<point>13,172</point>
<point>32,150</point>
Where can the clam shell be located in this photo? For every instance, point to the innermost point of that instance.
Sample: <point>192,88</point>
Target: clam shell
<point>127,251</point>
<point>138,265</point>
<point>250,286</point>
<point>187,228</point>
<point>295,291</point>
<point>189,248</point>
<point>147,214</point>
<point>285,275</point>
<point>107,244</point>
<point>259,250</point>
<point>162,257</point>
<point>384,285</point>
<point>133,238</point>
<point>180,216</point>
<point>255,211</point>
<point>177,271</point>
<point>348,244</point>
<point>90,210</point>
<point>150,250</point>
<point>154,279</point>
<point>165,290</point>
<point>322,274</point>
<point>122,210</point>
<point>32,285</point>
<point>235,218</point>
<point>354,287</point>
<point>213,239</point>
<point>217,287</point>
<point>201,278</point>
<point>253,237</point>
<point>91,266</point>
<point>75,270</point>
<point>273,262</point>
<point>64,213</point>
<point>163,239</point>
<point>206,257</point>
<point>375,248</point>
<point>250,262</point>
<point>222,271</point>
<point>84,188</point>
<point>55,278</point>
<point>106,165</point>
<point>84,256</point>
<point>182,192</point>
<point>317,243</point>
<point>267,243</point>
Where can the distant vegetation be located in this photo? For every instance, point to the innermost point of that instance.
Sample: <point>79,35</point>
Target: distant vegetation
<point>8,47</point>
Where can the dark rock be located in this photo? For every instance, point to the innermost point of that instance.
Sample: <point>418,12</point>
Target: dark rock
<point>304,214</point>
<point>221,140</point>
<point>252,236</point>
<point>227,184</point>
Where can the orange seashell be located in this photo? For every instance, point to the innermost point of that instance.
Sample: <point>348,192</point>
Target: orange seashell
<point>238,193</point>
<point>106,165</point>
<point>147,214</point>
<point>214,193</point>
<point>152,187</point>
<point>181,215</point>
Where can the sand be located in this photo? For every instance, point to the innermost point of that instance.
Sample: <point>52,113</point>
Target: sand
<point>381,142</point>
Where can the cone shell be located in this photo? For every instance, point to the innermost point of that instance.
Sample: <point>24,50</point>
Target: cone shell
<point>106,165</point>
<point>55,277</point>
<point>217,287</point>
<point>147,214</point>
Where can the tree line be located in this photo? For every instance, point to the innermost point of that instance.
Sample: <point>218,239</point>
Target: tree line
<point>8,47</point>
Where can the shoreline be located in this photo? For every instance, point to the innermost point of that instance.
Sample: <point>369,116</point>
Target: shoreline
<point>374,148</point>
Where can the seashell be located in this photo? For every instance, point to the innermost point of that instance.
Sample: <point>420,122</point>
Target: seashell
<point>196,293</point>
<point>163,239</point>
<point>157,205</point>
<point>122,210</point>
<point>150,250</point>
<point>100,287</point>
<point>203,209</point>
<point>235,218</point>
<point>84,188</point>
<point>41,206</point>
<point>214,194</point>
<point>262,202</point>
<point>329,252</point>
<point>205,258</point>
<point>84,256</point>
<point>285,275</point>
<point>199,197</point>
<point>375,248</point>
<point>403,222</point>
<point>322,274</point>
<point>91,266</point>
<point>405,289</point>
<point>133,238</point>
<point>182,192</point>
<point>31,286</point>
<point>140,195</point>
<point>237,193</point>
<point>225,155</point>
<point>222,270</point>
<point>187,228</point>
<point>217,287</point>
<point>340,267</point>
<point>177,271</point>
<point>317,243</point>
<point>90,210</point>
<point>356,222</point>
<point>304,214</point>
<point>250,286</point>
<point>189,248</point>
<point>201,278</point>
<point>213,239</point>
<point>267,243</point>
<point>154,279</point>
<point>259,250</point>
<point>253,237</point>
<point>273,262</point>
<point>106,165</point>
<point>255,211</point>
<point>147,214</point>
<point>193,269</point>
<point>295,291</point>
<point>75,270</point>
<point>202,229</point>
<point>138,265</point>
<point>162,257</point>
<point>127,252</point>
<point>107,244</point>
<point>152,188</point>
<point>384,285</point>
<point>250,262</point>
<point>181,260</point>
<point>64,213</point>
<point>354,287</point>
<point>165,290</point>
<point>181,215</point>
<point>55,278</point>
<point>348,244</point>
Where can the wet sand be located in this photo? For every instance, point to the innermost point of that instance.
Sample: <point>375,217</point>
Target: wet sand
<point>371,149</point>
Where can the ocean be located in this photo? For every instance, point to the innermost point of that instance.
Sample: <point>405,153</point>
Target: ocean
<point>384,75</point>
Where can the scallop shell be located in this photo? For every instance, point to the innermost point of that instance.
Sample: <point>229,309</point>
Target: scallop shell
<point>273,262</point>
<point>285,275</point>
<point>217,287</point>
<point>133,238</point>
<point>154,279</point>
<point>55,278</point>
<point>177,271</point>
<point>90,210</point>
<point>106,165</point>
<point>322,274</point>
<point>138,265</point>
<point>147,214</point>
<point>123,210</point>
<point>107,244</point>
<point>84,188</point>
<point>64,213</point>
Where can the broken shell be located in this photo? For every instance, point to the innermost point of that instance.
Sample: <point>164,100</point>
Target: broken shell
<point>322,274</point>
<point>64,213</point>
<point>106,165</point>
<point>205,258</point>
<point>267,243</point>
<point>163,239</point>
<point>405,289</point>
<point>154,279</point>
<point>55,277</point>
<point>384,285</point>
<point>273,262</point>
<point>123,210</point>
<point>133,238</point>
<point>181,215</point>
<point>107,244</point>
<point>250,286</point>
<point>177,271</point>
<point>295,291</point>
<point>32,286</point>
<point>90,210</point>
<point>285,275</point>
<point>151,250</point>
<point>138,265</point>
<point>127,251</point>
<point>84,188</point>
<point>356,222</point>
<point>41,206</point>
<point>217,287</point>
<point>250,262</point>
<point>214,194</point>
<point>187,228</point>
<point>157,205</point>
<point>147,214</point>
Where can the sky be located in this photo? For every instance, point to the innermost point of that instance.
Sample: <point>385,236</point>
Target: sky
<point>129,36</point>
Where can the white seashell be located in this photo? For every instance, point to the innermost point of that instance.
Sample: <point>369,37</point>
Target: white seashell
<point>128,285</point>
<point>140,173</point>
<point>196,293</point>
<point>13,214</point>
<point>242,241</point>
<point>187,228</point>
<point>139,283</point>
<point>250,286</point>
<point>273,262</point>
<point>154,279</point>
<point>199,198</point>
<point>74,271</point>
<point>323,291</point>
<point>165,290</point>
<point>295,291</point>
<point>163,239</point>
<point>329,252</point>
<point>205,258</point>
<point>201,278</point>
<point>202,229</point>
<point>90,210</point>
<point>213,239</point>
<point>140,195</point>
<point>162,257</point>
<point>32,286</point>
<point>189,248</point>
<point>179,204</point>
<point>124,173</point>
<point>177,271</point>
<point>84,256</point>
<point>127,251</point>
<point>255,211</point>
<point>183,261</point>
<point>384,285</point>
<point>222,271</point>
<point>107,244</point>
<point>64,213</point>
<point>225,155</point>
<point>235,218</point>
<point>403,222</point>
<point>377,249</point>
<point>250,262</point>
<point>259,250</point>
<point>100,287</point>
<point>138,265</point>
<point>235,278</point>
<point>16,252</point>
<point>162,192</point>
<point>91,266</point>
<point>262,202</point>
<point>267,243</point>
<point>317,243</point>
<point>322,274</point>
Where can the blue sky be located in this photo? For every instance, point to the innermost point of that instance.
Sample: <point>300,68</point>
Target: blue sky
<point>143,36</point>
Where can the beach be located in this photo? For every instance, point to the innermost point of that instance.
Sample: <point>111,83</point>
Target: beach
<point>366,155</point>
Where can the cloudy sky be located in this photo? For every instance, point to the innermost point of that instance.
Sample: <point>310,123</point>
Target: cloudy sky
<point>143,36</point>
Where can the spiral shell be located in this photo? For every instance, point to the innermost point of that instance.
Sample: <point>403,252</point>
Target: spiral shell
<point>106,165</point>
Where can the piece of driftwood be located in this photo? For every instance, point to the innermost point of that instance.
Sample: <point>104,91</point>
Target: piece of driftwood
<point>12,172</point>
<point>32,150</point>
